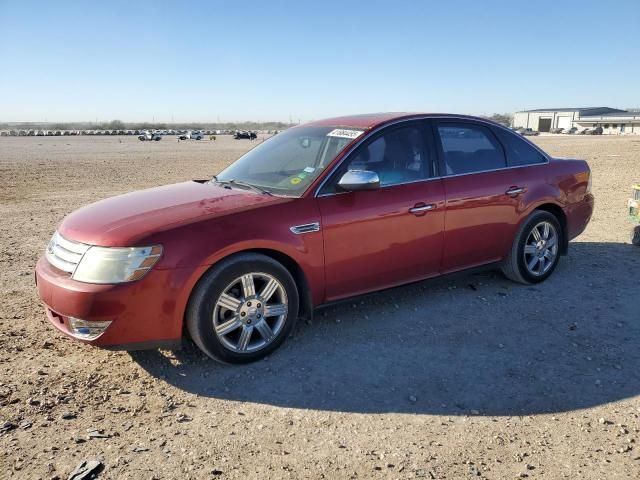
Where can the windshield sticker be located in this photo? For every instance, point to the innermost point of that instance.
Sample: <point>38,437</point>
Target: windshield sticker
<point>295,180</point>
<point>342,133</point>
<point>309,169</point>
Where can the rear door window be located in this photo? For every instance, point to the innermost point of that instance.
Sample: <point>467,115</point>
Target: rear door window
<point>519,151</point>
<point>469,148</point>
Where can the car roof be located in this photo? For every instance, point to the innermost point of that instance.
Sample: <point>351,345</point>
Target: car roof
<point>371,120</point>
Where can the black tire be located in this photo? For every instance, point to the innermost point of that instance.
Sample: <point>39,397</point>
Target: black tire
<point>199,315</point>
<point>513,266</point>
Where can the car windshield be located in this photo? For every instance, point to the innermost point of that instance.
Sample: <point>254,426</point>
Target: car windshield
<point>290,161</point>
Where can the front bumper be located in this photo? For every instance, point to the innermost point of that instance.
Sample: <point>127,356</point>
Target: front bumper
<point>145,314</point>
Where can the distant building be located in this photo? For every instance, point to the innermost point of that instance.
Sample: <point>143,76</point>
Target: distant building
<point>612,120</point>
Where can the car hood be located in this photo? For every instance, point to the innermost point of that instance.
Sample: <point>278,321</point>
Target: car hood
<point>127,219</point>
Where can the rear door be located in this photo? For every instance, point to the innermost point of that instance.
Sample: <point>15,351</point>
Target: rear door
<point>483,205</point>
<point>380,238</point>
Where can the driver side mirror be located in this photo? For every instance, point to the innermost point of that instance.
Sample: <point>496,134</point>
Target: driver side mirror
<point>354,180</point>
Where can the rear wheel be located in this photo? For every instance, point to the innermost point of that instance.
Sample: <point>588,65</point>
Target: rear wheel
<point>243,308</point>
<point>535,251</point>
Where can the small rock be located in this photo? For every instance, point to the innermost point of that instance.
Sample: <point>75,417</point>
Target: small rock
<point>7,426</point>
<point>86,470</point>
<point>68,416</point>
<point>181,417</point>
<point>25,424</point>
<point>96,433</point>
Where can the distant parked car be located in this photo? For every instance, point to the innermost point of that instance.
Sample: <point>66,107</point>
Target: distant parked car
<point>570,131</point>
<point>148,136</point>
<point>244,135</point>
<point>592,131</point>
<point>191,134</point>
<point>528,132</point>
<point>556,130</point>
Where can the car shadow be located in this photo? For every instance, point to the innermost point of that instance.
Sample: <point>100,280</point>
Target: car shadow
<point>472,345</point>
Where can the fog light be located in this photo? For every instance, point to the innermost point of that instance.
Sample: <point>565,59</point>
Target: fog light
<point>87,330</point>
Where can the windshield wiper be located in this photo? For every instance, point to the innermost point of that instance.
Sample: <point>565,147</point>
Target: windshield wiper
<point>255,188</point>
<point>239,183</point>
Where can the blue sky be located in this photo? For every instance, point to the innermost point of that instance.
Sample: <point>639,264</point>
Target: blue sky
<point>272,60</point>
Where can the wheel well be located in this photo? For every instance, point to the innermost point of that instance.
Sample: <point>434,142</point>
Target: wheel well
<point>304,292</point>
<point>557,212</point>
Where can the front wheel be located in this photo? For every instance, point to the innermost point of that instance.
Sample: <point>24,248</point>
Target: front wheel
<point>243,308</point>
<point>535,251</point>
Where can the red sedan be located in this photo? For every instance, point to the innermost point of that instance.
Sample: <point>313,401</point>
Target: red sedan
<point>320,212</point>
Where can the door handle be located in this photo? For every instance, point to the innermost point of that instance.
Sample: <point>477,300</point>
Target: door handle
<point>422,208</point>
<point>515,191</point>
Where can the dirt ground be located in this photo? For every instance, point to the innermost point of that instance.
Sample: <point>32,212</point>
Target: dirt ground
<point>471,377</point>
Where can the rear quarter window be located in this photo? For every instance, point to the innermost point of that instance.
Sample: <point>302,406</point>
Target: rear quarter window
<point>519,151</point>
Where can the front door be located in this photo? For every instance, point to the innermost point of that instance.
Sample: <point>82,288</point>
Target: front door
<point>381,238</point>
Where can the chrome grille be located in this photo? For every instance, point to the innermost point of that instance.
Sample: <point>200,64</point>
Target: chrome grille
<point>65,254</point>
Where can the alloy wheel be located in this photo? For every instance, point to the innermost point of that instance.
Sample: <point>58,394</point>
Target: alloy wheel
<point>250,312</point>
<point>541,248</point>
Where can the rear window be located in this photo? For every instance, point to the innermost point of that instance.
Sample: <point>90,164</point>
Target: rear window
<point>519,151</point>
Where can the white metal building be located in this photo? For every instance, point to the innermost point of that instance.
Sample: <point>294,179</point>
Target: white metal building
<point>612,123</point>
<point>612,120</point>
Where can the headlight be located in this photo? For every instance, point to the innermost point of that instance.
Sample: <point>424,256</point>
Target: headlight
<point>116,264</point>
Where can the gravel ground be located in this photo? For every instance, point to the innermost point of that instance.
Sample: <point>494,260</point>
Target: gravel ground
<point>465,377</point>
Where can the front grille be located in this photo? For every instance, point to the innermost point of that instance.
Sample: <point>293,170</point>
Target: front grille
<point>65,254</point>
<point>636,193</point>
